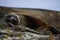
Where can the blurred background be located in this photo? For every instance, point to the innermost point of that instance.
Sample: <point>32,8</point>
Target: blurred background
<point>40,4</point>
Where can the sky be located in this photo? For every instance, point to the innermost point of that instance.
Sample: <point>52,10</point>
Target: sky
<point>39,4</point>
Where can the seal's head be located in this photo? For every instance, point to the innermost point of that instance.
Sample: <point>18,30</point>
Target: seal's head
<point>11,18</point>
